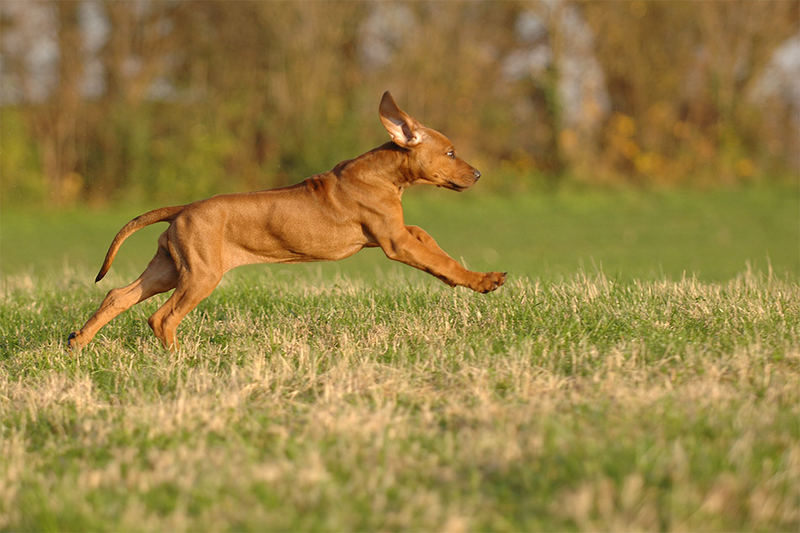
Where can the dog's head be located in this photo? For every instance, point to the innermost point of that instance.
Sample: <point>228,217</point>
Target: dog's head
<point>432,158</point>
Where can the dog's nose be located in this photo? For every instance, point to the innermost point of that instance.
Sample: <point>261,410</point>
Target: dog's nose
<point>477,174</point>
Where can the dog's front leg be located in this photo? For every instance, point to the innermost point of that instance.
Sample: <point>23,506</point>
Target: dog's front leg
<point>414,247</point>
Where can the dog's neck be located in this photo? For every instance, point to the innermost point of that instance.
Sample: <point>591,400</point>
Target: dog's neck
<point>387,165</point>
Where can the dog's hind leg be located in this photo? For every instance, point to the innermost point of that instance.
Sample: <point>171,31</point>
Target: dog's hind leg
<point>191,290</point>
<point>159,276</point>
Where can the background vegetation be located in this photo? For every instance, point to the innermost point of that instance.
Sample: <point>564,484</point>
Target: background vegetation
<point>106,100</point>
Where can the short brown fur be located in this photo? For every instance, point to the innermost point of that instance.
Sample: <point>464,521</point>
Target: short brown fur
<point>327,217</point>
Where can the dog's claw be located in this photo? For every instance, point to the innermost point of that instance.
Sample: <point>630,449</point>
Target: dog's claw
<point>70,339</point>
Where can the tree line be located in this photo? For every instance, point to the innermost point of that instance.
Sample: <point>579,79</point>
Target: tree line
<point>103,100</point>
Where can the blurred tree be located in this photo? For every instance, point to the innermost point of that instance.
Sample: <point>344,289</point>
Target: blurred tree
<point>162,98</point>
<point>680,72</point>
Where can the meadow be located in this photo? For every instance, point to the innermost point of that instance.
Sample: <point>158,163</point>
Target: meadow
<point>640,370</point>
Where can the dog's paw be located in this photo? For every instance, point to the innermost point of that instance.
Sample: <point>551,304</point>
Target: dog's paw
<point>491,281</point>
<point>72,342</point>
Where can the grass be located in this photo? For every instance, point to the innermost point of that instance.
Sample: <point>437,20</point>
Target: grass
<point>712,235</point>
<point>297,404</point>
<point>351,398</point>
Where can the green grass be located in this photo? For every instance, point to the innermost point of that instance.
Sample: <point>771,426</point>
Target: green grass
<point>307,404</point>
<point>630,235</point>
<point>365,396</point>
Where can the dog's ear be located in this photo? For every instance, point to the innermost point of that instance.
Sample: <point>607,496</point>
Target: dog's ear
<point>404,130</point>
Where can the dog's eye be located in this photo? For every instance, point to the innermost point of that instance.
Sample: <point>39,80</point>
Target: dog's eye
<point>451,154</point>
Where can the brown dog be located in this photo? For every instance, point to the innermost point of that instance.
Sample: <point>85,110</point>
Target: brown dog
<point>327,217</point>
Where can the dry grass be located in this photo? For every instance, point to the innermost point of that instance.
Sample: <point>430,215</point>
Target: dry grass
<point>308,404</point>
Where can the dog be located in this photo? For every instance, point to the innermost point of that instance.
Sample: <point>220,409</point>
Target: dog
<point>327,217</point>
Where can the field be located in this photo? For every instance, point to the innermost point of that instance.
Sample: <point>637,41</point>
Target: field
<point>639,371</point>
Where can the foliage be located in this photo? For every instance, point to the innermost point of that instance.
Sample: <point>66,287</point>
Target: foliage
<point>19,161</point>
<point>157,100</point>
<point>685,96</point>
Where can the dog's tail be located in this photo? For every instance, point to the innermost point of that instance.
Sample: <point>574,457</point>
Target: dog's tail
<point>163,214</point>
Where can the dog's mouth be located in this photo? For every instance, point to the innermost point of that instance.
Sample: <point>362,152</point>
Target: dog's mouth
<point>452,185</point>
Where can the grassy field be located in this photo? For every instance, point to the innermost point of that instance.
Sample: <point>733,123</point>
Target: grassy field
<point>617,395</point>
<point>629,235</point>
